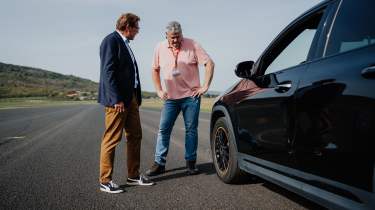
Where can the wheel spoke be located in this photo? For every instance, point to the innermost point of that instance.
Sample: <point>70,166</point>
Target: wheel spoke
<point>221,146</point>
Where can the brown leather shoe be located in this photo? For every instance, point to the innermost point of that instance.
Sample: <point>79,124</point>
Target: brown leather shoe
<point>191,168</point>
<point>155,170</point>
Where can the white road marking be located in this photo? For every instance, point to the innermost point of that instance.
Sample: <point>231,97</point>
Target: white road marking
<point>14,137</point>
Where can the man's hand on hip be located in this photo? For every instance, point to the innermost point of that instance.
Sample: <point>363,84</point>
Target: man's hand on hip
<point>197,92</point>
<point>162,94</point>
<point>119,107</point>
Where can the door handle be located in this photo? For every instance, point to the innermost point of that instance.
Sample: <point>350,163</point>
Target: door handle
<point>283,86</point>
<point>368,72</point>
<point>286,85</point>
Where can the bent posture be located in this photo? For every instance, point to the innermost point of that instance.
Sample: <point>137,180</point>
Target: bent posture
<point>177,58</point>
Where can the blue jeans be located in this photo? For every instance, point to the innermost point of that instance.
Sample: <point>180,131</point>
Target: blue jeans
<point>190,107</point>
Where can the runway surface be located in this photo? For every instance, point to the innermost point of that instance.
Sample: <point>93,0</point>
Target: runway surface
<point>49,159</point>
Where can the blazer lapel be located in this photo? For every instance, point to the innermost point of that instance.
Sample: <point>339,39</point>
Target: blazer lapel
<point>123,48</point>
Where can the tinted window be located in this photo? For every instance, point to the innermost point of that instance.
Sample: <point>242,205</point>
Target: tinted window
<point>295,53</point>
<point>294,45</point>
<point>353,28</point>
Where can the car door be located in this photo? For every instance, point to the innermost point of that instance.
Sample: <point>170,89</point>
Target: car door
<point>265,119</point>
<point>336,101</point>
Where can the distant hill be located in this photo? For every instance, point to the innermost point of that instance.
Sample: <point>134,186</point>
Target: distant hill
<point>22,81</point>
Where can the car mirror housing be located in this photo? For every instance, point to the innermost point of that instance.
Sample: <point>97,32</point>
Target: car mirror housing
<point>243,69</point>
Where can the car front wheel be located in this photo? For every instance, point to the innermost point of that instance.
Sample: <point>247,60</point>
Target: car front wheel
<point>224,152</point>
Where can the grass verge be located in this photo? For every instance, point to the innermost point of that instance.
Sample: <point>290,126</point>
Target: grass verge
<point>11,103</point>
<point>150,103</point>
<point>156,103</point>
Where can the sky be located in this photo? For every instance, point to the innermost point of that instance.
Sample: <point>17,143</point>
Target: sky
<point>64,35</point>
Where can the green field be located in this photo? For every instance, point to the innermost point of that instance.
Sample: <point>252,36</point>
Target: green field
<point>154,103</point>
<point>151,103</point>
<point>9,103</point>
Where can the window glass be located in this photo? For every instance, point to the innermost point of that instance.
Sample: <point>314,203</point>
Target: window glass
<point>295,53</point>
<point>353,28</point>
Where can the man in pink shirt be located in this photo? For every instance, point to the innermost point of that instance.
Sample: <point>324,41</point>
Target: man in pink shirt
<point>177,59</point>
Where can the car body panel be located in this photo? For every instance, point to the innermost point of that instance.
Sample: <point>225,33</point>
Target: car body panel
<point>336,113</point>
<point>309,127</point>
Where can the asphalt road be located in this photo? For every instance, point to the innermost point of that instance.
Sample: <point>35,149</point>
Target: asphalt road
<point>49,160</point>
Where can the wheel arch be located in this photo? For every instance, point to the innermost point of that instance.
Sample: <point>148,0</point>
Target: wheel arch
<point>221,111</point>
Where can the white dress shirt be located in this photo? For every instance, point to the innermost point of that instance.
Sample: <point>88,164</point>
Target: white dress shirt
<point>126,41</point>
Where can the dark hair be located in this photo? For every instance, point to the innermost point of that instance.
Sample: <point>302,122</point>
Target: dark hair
<point>126,20</point>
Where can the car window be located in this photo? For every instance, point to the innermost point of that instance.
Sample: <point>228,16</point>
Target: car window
<point>295,53</point>
<point>294,45</point>
<point>353,27</point>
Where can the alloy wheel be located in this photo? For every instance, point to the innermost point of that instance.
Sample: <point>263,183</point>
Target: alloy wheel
<point>221,146</point>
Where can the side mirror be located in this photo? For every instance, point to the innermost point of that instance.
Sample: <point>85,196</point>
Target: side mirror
<point>243,69</point>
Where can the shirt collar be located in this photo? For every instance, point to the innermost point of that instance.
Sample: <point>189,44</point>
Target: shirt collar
<point>182,42</point>
<point>123,37</point>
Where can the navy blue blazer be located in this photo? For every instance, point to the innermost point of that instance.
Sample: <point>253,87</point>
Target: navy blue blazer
<point>117,73</point>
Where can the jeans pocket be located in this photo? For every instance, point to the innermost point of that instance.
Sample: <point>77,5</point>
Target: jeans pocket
<point>194,100</point>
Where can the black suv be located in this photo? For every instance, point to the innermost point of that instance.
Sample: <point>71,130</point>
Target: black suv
<point>303,115</point>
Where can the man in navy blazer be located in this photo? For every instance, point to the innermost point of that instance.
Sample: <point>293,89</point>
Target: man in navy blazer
<point>120,93</point>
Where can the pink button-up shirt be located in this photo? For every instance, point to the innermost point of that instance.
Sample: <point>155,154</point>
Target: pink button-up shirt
<point>190,56</point>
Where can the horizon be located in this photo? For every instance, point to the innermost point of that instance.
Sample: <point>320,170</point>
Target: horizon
<point>37,68</point>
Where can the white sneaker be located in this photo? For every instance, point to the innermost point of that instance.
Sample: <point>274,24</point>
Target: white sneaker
<point>110,187</point>
<point>140,180</point>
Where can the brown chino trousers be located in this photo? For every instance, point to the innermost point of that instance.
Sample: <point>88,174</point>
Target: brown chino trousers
<point>115,123</point>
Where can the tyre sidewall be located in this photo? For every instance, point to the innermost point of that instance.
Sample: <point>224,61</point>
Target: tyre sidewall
<point>232,173</point>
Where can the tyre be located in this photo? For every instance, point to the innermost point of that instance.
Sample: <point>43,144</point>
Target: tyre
<point>224,152</point>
